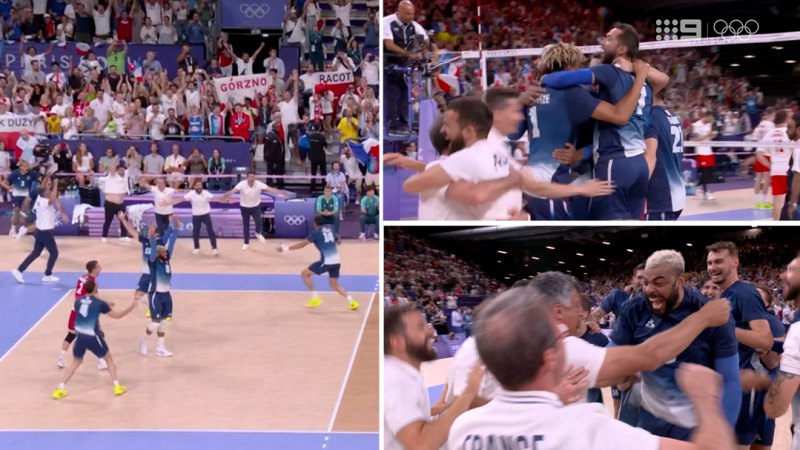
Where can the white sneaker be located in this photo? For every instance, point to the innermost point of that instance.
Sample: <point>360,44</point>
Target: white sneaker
<point>196,251</point>
<point>18,276</point>
<point>163,352</point>
<point>22,232</point>
<point>102,364</point>
<point>104,240</point>
<point>362,237</point>
<point>260,238</point>
<point>244,247</point>
<point>708,196</point>
<point>125,239</point>
<point>61,363</point>
<point>13,232</point>
<point>50,279</point>
<point>143,347</point>
<point>375,236</point>
<point>215,252</point>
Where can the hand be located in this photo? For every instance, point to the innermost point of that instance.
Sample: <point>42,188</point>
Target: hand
<point>593,327</point>
<point>532,94</point>
<point>64,217</point>
<point>629,381</point>
<point>475,379</point>
<point>441,405</point>
<point>640,68</point>
<point>518,214</point>
<point>121,215</point>
<point>716,312</point>
<point>597,188</point>
<point>573,385</point>
<point>750,379</point>
<point>699,382</point>
<point>567,155</point>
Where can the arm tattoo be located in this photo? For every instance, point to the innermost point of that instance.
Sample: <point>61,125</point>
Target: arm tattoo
<point>775,388</point>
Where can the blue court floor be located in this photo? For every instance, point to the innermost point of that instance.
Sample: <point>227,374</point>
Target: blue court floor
<point>25,305</point>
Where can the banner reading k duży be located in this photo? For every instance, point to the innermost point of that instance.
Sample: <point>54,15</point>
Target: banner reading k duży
<point>10,127</point>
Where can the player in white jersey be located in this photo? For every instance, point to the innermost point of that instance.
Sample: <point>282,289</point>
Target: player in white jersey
<point>703,130</point>
<point>521,345</point>
<point>480,131</point>
<point>784,388</point>
<point>46,207</point>
<point>761,187</point>
<point>778,161</point>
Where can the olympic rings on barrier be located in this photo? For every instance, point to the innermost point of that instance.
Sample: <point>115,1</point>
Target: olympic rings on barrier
<point>257,10</point>
<point>736,29</point>
<point>294,220</point>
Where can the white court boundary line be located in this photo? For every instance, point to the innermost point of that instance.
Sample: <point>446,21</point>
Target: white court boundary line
<point>249,291</point>
<point>33,327</point>
<point>352,361</point>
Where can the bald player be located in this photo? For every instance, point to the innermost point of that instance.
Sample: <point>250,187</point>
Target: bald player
<point>752,330</point>
<point>523,347</point>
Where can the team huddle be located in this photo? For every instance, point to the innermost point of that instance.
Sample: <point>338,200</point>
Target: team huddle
<point>705,368</point>
<point>602,144</point>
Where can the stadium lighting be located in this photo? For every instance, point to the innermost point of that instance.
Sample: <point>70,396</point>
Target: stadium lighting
<point>526,265</point>
<point>790,61</point>
<point>629,250</point>
<point>749,56</point>
<point>502,252</point>
<point>602,259</point>
<point>578,254</point>
<point>499,261</point>
<point>777,47</point>
<point>689,244</point>
<point>582,266</point>
<point>735,65</point>
<point>561,262</point>
<point>550,247</point>
<point>536,258</point>
<point>606,243</point>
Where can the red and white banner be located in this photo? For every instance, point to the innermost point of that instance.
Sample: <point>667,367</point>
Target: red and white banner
<point>10,126</point>
<point>336,82</point>
<point>232,90</point>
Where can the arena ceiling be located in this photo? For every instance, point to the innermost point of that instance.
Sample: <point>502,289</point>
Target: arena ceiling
<point>512,252</point>
<point>766,67</point>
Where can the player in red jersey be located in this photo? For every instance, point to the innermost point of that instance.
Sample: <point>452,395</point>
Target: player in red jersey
<point>92,272</point>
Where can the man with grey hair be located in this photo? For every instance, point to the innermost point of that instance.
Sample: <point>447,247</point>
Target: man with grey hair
<point>522,344</point>
<point>668,302</point>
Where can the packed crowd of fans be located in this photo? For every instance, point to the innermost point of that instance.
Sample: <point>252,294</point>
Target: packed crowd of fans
<point>418,273</point>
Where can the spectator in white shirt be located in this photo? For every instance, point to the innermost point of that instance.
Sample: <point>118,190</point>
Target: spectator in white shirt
<point>149,33</point>
<point>250,205</point>
<point>273,62</point>
<point>102,21</point>
<point>353,172</point>
<point>244,64</point>
<point>343,63</point>
<point>201,214</point>
<point>154,12</point>
<point>290,118</point>
<point>153,163</point>
<point>175,167</point>
<point>115,186</point>
<point>26,143</point>
<point>370,70</point>
<point>154,121</point>
<point>167,33</point>
<point>162,196</point>
<point>83,165</point>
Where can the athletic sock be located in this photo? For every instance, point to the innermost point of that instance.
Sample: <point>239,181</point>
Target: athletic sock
<point>61,386</point>
<point>314,294</point>
<point>350,298</point>
<point>160,342</point>
<point>63,353</point>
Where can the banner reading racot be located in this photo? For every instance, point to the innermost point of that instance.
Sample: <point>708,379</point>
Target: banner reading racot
<point>232,90</point>
<point>336,82</point>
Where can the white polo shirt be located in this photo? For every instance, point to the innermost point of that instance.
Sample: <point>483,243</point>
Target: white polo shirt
<point>160,196</point>
<point>460,368</point>
<point>201,203</point>
<point>486,160</point>
<point>405,400</point>
<point>250,196</point>
<point>790,363</point>
<point>115,184</point>
<point>538,420</point>
<point>45,214</point>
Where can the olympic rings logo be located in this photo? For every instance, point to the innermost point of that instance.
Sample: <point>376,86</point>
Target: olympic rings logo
<point>294,220</point>
<point>257,10</point>
<point>736,29</point>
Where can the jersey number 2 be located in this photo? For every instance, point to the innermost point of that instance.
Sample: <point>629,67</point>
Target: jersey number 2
<point>677,139</point>
<point>327,235</point>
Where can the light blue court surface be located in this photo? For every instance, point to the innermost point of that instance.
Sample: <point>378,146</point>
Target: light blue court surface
<point>734,214</point>
<point>25,305</point>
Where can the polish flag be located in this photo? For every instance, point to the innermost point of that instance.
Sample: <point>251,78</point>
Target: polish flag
<point>448,84</point>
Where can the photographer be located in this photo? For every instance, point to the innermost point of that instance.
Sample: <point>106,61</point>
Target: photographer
<point>400,35</point>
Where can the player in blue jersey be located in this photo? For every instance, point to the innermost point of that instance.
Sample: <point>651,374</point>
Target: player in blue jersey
<point>19,183</point>
<point>752,329</point>
<point>767,365</point>
<point>619,150</point>
<point>89,337</point>
<point>666,191</point>
<point>556,119</point>
<point>160,298</point>
<point>324,239</point>
<point>665,410</point>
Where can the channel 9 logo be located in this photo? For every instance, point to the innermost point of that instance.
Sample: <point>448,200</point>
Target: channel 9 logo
<point>690,29</point>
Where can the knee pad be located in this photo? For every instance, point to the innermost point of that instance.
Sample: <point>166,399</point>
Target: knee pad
<point>70,337</point>
<point>162,326</point>
<point>152,326</point>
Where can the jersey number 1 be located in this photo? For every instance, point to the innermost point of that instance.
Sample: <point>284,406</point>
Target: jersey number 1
<point>642,101</point>
<point>327,235</point>
<point>534,119</point>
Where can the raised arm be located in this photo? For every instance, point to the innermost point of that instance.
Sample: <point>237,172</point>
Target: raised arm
<point>128,226</point>
<point>432,178</point>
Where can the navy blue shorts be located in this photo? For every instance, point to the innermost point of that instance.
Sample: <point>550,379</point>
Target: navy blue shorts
<point>144,283</point>
<point>548,209</point>
<point>320,267</point>
<point>748,425</point>
<point>630,179</point>
<point>160,305</point>
<point>765,433</point>
<point>18,201</point>
<point>95,344</point>
<point>662,216</point>
<point>615,393</point>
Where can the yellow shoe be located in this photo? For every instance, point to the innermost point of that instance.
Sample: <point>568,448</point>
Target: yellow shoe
<point>316,301</point>
<point>767,205</point>
<point>353,305</point>
<point>59,393</point>
<point>169,319</point>
<point>119,389</point>
<point>148,313</point>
